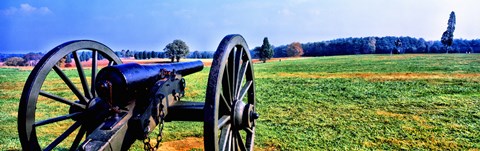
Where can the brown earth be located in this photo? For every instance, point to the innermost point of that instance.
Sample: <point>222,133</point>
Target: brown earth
<point>193,143</point>
<point>189,143</point>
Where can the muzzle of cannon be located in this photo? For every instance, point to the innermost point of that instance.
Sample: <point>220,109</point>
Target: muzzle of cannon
<point>110,107</point>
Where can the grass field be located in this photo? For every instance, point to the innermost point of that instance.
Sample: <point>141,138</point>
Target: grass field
<point>362,102</point>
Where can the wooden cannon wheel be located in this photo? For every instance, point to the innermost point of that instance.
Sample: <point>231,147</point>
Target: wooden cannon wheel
<point>30,124</point>
<point>229,118</point>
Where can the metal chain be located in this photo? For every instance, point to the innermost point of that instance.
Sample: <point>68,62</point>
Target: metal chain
<point>146,142</point>
<point>160,130</point>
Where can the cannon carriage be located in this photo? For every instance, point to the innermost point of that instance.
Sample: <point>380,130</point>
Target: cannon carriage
<point>116,105</point>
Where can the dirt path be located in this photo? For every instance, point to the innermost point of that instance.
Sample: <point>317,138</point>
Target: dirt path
<point>189,143</point>
<point>193,143</point>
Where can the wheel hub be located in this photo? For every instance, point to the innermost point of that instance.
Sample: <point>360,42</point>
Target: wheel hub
<point>244,115</point>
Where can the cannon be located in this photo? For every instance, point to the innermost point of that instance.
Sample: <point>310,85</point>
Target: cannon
<point>110,106</point>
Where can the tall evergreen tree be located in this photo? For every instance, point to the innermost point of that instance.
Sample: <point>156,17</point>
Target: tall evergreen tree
<point>265,52</point>
<point>447,37</point>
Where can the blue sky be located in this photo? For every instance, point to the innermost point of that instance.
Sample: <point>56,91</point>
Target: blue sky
<point>40,25</point>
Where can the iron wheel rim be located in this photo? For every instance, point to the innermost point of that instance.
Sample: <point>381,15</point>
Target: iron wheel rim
<point>32,90</point>
<point>221,128</point>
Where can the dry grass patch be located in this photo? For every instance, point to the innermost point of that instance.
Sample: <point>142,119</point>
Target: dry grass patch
<point>420,121</point>
<point>382,76</point>
<point>11,86</point>
<point>432,143</point>
<point>400,57</point>
<point>191,93</point>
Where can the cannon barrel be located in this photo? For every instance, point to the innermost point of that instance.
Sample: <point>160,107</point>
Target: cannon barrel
<point>127,81</point>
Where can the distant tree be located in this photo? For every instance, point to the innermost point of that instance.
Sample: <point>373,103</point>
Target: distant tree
<point>447,37</point>
<point>469,50</point>
<point>421,46</point>
<point>100,57</point>
<point>61,62</point>
<point>153,54</point>
<point>68,59</point>
<point>119,54</point>
<point>176,50</point>
<point>123,53</point>
<point>82,56</point>
<point>139,55</point>
<point>144,55</point>
<point>135,55</point>
<point>160,55</point>
<point>85,56</point>
<point>88,55</point>
<point>128,53</point>
<point>31,59</point>
<point>294,50</point>
<point>196,54</point>
<point>370,46</point>
<point>32,56</point>
<point>398,44</point>
<point>206,54</point>
<point>14,61</point>
<point>266,51</point>
<point>280,51</point>
<point>255,50</point>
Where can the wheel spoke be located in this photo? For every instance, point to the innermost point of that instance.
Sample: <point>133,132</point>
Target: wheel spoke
<point>250,138</point>
<point>226,103</point>
<point>240,144</point>
<point>244,90</point>
<point>81,74</point>
<point>232,140</point>
<point>226,86</point>
<point>224,137</point>
<point>70,84</point>
<point>78,138</point>
<point>241,77</point>
<point>224,120</point>
<point>60,99</point>
<point>94,72</point>
<point>111,63</point>
<point>57,119</point>
<point>231,68</point>
<point>63,136</point>
<point>249,130</point>
<point>238,58</point>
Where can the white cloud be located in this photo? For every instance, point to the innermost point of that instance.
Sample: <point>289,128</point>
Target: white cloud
<point>26,9</point>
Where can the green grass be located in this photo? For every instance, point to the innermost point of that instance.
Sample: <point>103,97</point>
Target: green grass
<point>362,102</point>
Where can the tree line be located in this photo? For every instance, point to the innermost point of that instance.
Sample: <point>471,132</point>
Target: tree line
<point>31,59</point>
<point>378,45</point>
